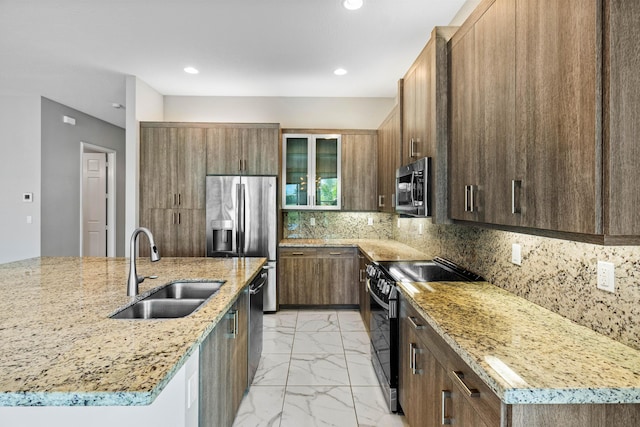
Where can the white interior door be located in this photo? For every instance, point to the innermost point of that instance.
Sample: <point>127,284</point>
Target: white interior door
<point>94,204</point>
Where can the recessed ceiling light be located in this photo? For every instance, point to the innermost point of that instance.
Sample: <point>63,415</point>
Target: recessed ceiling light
<point>191,70</point>
<point>340,72</point>
<point>352,4</point>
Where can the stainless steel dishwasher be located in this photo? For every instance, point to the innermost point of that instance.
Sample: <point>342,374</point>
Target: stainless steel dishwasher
<point>255,322</point>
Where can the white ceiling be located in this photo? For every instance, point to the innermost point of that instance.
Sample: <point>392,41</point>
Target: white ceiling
<point>78,52</point>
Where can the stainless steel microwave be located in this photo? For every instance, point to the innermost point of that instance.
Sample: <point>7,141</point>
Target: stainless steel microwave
<point>413,188</point>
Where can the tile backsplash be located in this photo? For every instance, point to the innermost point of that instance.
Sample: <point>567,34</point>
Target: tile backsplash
<point>557,274</point>
<point>336,225</point>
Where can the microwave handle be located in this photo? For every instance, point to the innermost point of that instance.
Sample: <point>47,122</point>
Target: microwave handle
<point>412,187</point>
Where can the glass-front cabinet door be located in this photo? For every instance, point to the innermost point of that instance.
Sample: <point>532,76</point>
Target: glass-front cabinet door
<point>311,171</point>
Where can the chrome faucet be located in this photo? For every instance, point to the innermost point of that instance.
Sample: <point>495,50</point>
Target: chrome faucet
<point>134,279</point>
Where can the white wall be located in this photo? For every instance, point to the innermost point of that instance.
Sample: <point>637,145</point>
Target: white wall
<point>143,104</point>
<point>290,112</point>
<point>19,173</point>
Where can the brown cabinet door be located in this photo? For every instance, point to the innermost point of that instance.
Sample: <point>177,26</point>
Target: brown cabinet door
<point>495,112</point>
<point>239,360</point>
<point>190,170</point>
<point>557,92</point>
<point>298,277</point>
<point>388,160</point>
<point>260,151</point>
<point>158,163</point>
<point>408,116</point>
<point>465,184</point>
<point>359,180</point>
<point>337,279</point>
<point>224,146</point>
<point>190,232</point>
<point>161,222</point>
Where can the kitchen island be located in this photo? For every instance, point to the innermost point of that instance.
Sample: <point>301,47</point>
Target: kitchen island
<point>60,348</point>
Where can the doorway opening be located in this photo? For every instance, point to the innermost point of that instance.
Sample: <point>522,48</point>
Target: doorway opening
<point>97,201</point>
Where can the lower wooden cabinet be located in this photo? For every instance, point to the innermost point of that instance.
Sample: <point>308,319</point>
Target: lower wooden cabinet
<point>436,386</point>
<point>223,367</point>
<point>317,276</point>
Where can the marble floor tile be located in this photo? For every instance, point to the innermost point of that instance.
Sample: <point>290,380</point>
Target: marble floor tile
<point>318,369</point>
<point>318,406</point>
<point>350,321</point>
<point>371,409</point>
<point>281,321</point>
<point>261,406</point>
<point>361,372</point>
<point>318,321</point>
<point>317,342</point>
<point>356,342</point>
<point>273,369</point>
<point>277,342</point>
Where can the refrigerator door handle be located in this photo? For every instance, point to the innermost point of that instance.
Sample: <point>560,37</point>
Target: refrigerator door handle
<point>241,218</point>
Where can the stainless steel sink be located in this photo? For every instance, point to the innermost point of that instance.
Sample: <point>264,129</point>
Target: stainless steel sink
<point>177,299</point>
<point>187,290</point>
<point>159,309</point>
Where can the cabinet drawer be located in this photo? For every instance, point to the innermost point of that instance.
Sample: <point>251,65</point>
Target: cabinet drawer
<point>466,384</point>
<point>337,252</point>
<point>298,252</point>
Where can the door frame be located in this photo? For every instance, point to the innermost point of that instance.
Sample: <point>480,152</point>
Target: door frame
<point>86,147</point>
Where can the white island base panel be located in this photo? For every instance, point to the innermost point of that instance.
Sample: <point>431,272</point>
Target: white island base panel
<point>175,406</point>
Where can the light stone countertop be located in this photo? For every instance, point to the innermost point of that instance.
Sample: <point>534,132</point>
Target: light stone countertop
<point>525,353</point>
<point>59,346</point>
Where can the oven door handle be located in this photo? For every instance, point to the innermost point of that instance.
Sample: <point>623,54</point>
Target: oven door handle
<point>375,297</point>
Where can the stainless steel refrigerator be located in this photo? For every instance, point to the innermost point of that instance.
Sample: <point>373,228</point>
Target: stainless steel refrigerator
<point>242,222</point>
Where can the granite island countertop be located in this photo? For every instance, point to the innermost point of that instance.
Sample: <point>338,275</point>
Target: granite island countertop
<point>59,346</point>
<point>525,353</point>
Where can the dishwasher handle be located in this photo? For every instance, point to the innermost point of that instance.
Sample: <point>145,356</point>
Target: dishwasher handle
<point>257,285</point>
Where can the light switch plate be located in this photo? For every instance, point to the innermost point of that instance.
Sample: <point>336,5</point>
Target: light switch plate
<point>516,254</point>
<point>606,276</point>
<point>420,228</point>
<point>369,221</point>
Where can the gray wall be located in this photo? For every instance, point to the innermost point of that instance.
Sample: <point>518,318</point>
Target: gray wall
<point>19,173</point>
<point>60,233</point>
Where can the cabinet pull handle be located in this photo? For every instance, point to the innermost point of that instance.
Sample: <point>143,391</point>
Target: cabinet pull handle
<point>179,199</point>
<point>173,217</point>
<point>381,201</point>
<point>446,395</point>
<point>411,359</point>
<point>515,209</point>
<point>362,275</point>
<point>179,218</point>
<point>297,253</point>
<point>414,359</point>
<point>415,325</point>
<point>458,378</point>
<point>469,198</point>
<point>334,253</point>
<point>233,317</point>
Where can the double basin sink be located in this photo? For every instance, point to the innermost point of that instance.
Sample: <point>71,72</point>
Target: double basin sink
<point>176,299</point>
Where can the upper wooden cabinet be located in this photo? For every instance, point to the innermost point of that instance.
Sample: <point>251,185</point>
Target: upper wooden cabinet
<point>359,171</point>
<point>248,149</point>
<point>541,114</point>
<point>425,130</point>
<point>389,137</point>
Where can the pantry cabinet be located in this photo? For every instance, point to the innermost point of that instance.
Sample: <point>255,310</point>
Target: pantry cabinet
<point>542,97</point>
<point>389,138</point>
<point>172,187</point>
<point>425,130</point>
<point>359,174</point>
<point>246,149</point>
<point>317,276</point>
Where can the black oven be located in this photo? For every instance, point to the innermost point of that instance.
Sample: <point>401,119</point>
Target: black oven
<point>384,323</point>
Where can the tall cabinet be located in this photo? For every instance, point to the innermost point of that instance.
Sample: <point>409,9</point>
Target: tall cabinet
<point>172,193</point>
<point>425,130</point>
<point>389,138</point>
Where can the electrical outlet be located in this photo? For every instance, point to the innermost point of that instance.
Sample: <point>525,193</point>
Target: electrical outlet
<point>516,254</point>
<point>312,221</point>
<point>420,228</point>
<point>369,221</point>
<point>606,276</point>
